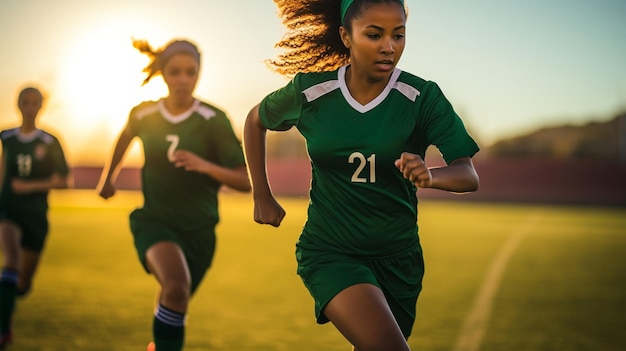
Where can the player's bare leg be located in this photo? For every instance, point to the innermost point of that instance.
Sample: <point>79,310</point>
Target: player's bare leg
<point>28,267</point>
<point>167,262</point>
<point>361,313</point>
<point>10,237</point>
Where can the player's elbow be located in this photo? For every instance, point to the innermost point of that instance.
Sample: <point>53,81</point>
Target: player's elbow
<point>62,182</point>
<point>245,188</point>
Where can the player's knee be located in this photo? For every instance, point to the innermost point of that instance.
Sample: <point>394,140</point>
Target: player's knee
<point>381,342</point>
<point>11,258</point>
<point>175,291</point>
<point>383,346</point>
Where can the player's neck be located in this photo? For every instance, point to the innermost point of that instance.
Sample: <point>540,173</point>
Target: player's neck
<point>363,89</point>
<point>177,107</point>
<point>27,128</point>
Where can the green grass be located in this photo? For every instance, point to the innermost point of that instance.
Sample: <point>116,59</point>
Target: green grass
<point>564,287</point>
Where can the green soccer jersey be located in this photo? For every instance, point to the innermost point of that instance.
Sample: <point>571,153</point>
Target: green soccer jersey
<point>184,199</point>
<point>35,156</point>
<point>359,201</point>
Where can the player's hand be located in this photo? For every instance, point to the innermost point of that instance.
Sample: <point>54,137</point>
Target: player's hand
<point>414,169</point>
<point>107,190</point>
<point>189,161</point>
<point>21,186</point>
<point>268,211</point>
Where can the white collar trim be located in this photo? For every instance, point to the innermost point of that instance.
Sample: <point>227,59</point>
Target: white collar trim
<point>180,117</point>
<point>372,104</point>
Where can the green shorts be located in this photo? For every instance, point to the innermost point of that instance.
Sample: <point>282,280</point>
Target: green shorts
<point>197,246</point>
<point>34,227</point>
<point>399,276</point>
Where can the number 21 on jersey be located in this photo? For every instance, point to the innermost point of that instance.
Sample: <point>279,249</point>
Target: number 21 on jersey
<point>361,162</point>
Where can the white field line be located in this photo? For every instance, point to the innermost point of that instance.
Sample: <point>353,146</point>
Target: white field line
<point>475,325</point>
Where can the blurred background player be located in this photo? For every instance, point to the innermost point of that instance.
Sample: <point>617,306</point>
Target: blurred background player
<point>33,162</point>
<point>190,150</point>
<point>367,126</point>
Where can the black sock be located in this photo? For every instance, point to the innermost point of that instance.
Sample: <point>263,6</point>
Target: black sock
<point>168,329</point>
<point>8,294</point>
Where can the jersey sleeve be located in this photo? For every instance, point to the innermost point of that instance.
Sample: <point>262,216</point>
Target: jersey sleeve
<point>230,152</point>
<point>444,128</point>
<point>59,163</point>
<point>133,121</point>
<point>281,109</point>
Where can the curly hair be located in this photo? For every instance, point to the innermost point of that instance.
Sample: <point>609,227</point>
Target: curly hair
<point>312,42</point>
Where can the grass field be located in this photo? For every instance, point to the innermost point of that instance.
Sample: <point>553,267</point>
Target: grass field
<point>499,277</point>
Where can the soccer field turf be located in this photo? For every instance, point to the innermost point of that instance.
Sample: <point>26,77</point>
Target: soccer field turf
<point>498,277</point>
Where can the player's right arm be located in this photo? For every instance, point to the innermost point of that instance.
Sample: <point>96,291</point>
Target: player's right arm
<point>266,209</point>
<point>2,169</point>
<point>106,187</point>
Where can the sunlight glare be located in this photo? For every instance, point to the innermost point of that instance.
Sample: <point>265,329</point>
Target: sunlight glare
<point>100,82</point>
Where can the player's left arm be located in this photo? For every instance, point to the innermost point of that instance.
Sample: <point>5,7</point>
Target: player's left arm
<point>26,186</point>
<point>2,168</point>
<point>61,177</point>
<point>236,178</point>
<point>459,176</point>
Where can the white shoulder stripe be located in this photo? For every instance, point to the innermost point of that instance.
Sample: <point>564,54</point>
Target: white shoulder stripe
<point>206,112</point>
<point>9,133</point>
<point>143,112</point>
<point>37,134</point>
<point>410,92</point>
<point>320,90</point>
<point>47,138</point>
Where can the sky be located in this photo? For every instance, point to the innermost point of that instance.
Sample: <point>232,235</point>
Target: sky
<point>508,67</point>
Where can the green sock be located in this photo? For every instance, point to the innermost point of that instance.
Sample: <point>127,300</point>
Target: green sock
<point>8,294</point>
<point>168,329</point>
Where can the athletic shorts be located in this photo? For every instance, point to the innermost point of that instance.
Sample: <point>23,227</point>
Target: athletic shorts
<point>399,276</point>
<point>198,247</point>
<point>34,227</point>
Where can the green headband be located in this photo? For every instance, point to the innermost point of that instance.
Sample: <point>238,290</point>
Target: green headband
<point>344,7</point>
<point>345,4</point>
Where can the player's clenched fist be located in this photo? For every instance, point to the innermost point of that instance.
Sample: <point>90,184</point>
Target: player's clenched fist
<point>107,190</point>
<point>414,169</point>
<point>268,211</point>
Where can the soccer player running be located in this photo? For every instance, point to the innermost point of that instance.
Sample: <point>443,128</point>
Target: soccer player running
<point>190,150</point>
<point>33,162</point>
<point>367,125</point>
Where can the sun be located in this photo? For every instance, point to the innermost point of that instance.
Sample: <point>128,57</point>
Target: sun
<point>99,82</point>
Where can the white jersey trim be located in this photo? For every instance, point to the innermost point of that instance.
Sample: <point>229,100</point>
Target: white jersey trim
<point>38,133</point>
<point>202,110</point>
<point>9,133</point>
<point>144,111</point>
<point>372,104</point>
<point>206,112</point>
<point>320,90</point>
<point>410,92</point>
<point>175,119</point>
